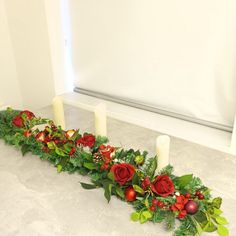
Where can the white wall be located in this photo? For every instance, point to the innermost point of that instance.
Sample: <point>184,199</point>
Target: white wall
<point>30,40</point>
<point>9,86</point>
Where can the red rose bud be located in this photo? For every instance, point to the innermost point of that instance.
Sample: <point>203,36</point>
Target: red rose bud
<point>72,151</point>
<point>88,140</point>
<point>30,115</point>
<point>163,186</point>
<point>69,133</point>
<point>130,194</point>
<point>27,133</point>
<point>152,208</point>
<point>145,183</point>
<point>106,151</point>
<point>182,214</point>
<point>18,121</point>
<point>40,136</point>
<point>123,172</point>
<point>180,203</point>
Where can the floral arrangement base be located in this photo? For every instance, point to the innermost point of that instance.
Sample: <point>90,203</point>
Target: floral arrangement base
<point>127,174</point>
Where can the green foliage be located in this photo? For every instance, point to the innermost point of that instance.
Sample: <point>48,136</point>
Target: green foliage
<point>150,167</point>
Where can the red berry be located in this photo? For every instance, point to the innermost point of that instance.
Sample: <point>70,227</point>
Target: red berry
<point>130,194</point>
<point>155,202</point>
<point>152,208</point>
<point>187,195</point>
<point>201,196</point>
<point>197,193</point>
<point>160,204</point>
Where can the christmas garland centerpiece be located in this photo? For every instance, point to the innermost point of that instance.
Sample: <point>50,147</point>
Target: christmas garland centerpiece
<point>127,174</point>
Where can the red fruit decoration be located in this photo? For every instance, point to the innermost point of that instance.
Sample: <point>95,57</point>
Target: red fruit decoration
<point>155,202</point>
<point>130,194</point>
<point>201,196</point>
<point>152,208</point>
<point>191,207</point>
<point>160,204</point>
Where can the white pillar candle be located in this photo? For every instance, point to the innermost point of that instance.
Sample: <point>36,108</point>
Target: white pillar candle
<point>162,150</point>
<point>58,111</point>
<point>233,137</point>
<point>100,119</point>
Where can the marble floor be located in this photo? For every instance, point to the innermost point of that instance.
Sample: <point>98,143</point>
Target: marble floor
<point>36,200</point>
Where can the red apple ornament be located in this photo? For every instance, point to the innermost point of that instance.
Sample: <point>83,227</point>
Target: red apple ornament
<point>191,207</point>
<point>130,194</point>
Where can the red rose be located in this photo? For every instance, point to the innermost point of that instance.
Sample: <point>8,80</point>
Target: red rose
<point>30,115</point>
<point>87,140</point>
<point>163,186</point>
<point>18,121</point>
<point>123,172</point>
<point>106,151</point>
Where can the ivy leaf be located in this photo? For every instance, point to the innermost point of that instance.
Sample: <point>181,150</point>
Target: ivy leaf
<point>222,231</point>
<point>134,216</point>
<point>138,189</point>
<point>182,181</point>
<point>51,145</point>
<point>217,202</point>
<point>145,216</point>
<point>221,220</point>
<point>88,186</point>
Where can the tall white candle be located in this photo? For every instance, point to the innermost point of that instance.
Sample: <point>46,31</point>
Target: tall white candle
<point>100,119</point>
<point>162,150</point>
<point>233,137</point>
<point>58,111</point>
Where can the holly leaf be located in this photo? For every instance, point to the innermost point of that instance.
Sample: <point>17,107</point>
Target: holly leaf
<point>222,230</point>
<point>88,186</point>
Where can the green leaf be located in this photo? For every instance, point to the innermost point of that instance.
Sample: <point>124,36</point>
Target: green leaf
<point>150,167</point>
<point>209,227</point>
<point>90,165</point>
<point>88,186</point>
<point>138,189</point>
<point>59,168</point>
<point>59,152</point>
<point>221,220</point>
<point>217,202</point>
<point>51,145</point>
<point>107,192</point>
<point>146,202</point>
<point>24,149</point>
<point>111,176</point>
<point>145,216</point>
<point>184,180</point>
<point>134,216</point>
<point>120,192</point>
<point>222,230</point>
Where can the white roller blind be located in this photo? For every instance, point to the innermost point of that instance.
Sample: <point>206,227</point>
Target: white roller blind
<point>178,55</point>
